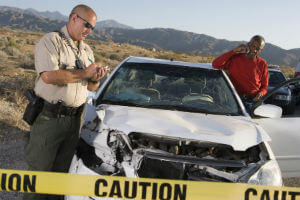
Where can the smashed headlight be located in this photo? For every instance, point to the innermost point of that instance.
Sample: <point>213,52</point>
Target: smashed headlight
<point>268,174</point>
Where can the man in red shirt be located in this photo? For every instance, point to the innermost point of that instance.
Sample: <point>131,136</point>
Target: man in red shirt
<point>248,72</point>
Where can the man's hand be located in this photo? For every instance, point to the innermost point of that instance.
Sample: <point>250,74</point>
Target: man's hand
<point>62,77</point>
<point>91,70</point>
<point>243,48</point>
<point>100,72</point>
<point>257,97</point>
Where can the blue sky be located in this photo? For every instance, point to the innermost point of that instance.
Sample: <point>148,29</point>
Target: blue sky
<point>277,20</point>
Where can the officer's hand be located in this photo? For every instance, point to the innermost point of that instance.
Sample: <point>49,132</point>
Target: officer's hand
<point>101,71</point>
<point>243,48</point>
<point>91,70</point>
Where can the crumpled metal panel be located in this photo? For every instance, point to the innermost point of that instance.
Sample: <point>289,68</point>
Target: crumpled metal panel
<point>237,131</point>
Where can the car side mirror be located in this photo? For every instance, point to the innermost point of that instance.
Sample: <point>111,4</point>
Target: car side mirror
<point>268,111</point>
<point>261,100</point>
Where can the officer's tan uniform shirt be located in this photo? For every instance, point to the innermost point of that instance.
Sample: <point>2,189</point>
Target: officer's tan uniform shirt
<point>53,53</point>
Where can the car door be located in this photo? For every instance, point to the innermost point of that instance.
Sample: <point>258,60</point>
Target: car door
<point>285,135</point>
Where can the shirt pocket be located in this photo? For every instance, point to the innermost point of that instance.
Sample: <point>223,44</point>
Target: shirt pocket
<point>67,59</point>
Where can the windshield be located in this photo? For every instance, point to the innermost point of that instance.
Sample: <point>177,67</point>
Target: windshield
<point>170,87</point>
<point>275,78</point>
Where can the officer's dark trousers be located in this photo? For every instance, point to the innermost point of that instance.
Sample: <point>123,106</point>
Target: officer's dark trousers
<point>50,146</point>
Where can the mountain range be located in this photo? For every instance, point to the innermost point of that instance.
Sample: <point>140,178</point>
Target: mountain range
<point>159,38</point>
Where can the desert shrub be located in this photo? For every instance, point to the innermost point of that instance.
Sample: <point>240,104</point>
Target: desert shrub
<point>19,42</point>
<point>27,61</point>
<point>103,54</point>
<point>2,43</point>
<point>126,55</point>
<point>98,58</point>
<point>2,54</point>
<point>13,91</point>
<point>13,51</point>
<point>115,57</point>
<point>161,56</point>
<point>12,43</point>
<point>30,42</point>
<point>288,71</point>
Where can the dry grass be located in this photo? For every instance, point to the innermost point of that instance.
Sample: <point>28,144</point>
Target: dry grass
<point>288,71</point>
<point>110,53</point>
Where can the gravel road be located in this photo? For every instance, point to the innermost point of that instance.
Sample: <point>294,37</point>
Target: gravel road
<point>12,157</point>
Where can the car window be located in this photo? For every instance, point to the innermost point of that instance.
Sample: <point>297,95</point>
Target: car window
<point>170,87</point>
<point>276,77</point>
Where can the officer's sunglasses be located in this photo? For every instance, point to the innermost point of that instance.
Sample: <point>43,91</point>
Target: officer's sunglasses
<point>87,24</point>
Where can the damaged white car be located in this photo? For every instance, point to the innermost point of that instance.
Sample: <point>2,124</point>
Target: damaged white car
<point>175,120</point>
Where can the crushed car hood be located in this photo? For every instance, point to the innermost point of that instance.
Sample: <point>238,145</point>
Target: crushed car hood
<point>237,131</point>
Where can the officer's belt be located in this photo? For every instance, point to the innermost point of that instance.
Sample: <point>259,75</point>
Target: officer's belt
<point>60,109</point>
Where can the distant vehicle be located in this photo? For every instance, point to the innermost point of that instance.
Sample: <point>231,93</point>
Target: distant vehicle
<point>284,96</point>
<point>166,119</point>
<point>297,86</point>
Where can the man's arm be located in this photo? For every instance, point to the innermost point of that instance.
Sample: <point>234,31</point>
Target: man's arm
<point>62,77</point>
<point>264,80</point>
<point>222,61</point>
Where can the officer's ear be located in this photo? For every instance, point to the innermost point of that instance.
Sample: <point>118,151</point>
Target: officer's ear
<point>73,17</point>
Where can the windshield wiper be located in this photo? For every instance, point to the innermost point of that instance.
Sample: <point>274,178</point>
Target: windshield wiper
<point>180,108</point>
<point>122,103</point>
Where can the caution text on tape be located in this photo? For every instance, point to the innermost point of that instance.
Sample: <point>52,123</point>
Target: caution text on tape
<point>137,188</point>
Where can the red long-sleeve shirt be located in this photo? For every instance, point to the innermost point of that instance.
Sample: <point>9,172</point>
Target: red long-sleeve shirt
<point>248,76</point>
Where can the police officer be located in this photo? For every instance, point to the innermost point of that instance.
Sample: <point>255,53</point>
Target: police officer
<point>65,72</point>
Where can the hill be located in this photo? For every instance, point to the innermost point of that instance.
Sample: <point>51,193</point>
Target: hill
<point>111,24</point>
<point>159,38</point>
<point>54,17</point>
<point>184,41</point>
<point>50,15</point>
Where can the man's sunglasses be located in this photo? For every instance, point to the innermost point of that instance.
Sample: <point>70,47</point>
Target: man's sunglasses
<point>87,24</point>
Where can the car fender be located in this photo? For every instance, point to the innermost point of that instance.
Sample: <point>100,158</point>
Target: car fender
<point>285,136</point>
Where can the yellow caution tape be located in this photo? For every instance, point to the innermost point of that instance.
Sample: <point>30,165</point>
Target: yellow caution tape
<point>137,188</point>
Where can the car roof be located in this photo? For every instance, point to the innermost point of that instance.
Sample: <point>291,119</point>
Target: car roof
<point>274,70</point>
<point>168,62</point>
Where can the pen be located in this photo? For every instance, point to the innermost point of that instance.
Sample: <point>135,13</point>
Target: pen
<point>90,60</point>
